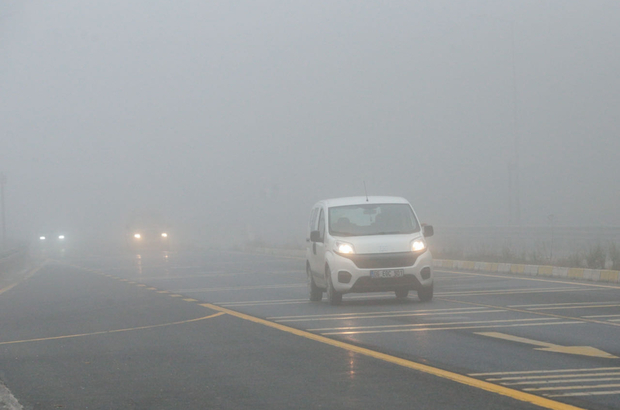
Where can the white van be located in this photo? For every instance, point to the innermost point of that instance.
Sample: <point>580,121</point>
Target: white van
<point>367,244</point>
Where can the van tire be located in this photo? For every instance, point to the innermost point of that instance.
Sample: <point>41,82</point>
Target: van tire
<point>333,297</point>
<point>315,293</point>
<point>425,293</point>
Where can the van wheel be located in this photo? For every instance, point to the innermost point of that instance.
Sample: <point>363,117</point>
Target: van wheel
<point>401,293</point>
<point>315,293</point>
<point>333,297</point>
<point>425,294</point>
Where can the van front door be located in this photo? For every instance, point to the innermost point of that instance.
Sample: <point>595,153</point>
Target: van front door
<point>318,253</point>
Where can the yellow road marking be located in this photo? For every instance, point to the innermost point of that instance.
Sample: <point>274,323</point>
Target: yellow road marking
<point>113,331</point>
<point>459,378</point>
<point>176,296</point>
<point>190,300</point>
<point>151,288</point>
<point>141,285</point>
<point>550,347</point>
<point>163,291</point>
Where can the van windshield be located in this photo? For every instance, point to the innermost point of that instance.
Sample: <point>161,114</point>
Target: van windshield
<point>372,219</point>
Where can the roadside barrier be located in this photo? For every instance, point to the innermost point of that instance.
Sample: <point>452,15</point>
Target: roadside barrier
<point>593,275</point>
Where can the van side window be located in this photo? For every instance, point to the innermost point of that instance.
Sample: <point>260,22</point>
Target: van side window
<point>313,216</point>
<point>322,225</point>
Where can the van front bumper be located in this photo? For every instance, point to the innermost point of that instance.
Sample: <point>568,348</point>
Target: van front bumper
<point>351,274</point>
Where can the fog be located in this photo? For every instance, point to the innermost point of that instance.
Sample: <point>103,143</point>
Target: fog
<point>231,119</point>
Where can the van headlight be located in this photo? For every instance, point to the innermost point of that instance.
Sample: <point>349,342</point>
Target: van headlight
<point>418,245</point>
<point>343,248</point>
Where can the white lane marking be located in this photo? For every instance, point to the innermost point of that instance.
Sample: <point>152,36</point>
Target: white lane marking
<point>510,291</point>
<point>595,316</point>
<point>389,315</point>
<point>574,307</point>
<point>294,285</point>
<point>598,379</point>
<point>410,325</point>
<point>563,304</point>
<point>544,371</point>
<point>560,377</point>
<point>599,386</point>
<point>288,302</point>
<point>7,400</point>
<point>381,295</point>
<point>592,393</point>
<point>450,328</point>
<point>348,315</point>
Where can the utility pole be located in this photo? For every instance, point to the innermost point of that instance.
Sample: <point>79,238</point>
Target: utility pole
<point>517,194</point>
<point>2,210</point>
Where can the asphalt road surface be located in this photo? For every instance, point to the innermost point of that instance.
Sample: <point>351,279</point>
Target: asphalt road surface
<point>224,330</point>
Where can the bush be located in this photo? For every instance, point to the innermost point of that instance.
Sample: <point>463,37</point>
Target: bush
<point>614,256</point>
<point>596,257</point>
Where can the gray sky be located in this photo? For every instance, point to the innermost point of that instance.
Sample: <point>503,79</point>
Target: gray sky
<point>237,116</point>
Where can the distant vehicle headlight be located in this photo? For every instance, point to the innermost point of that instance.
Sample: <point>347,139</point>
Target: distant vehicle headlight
<point>41,238</point>
<point>61,237</point>
<point>344,248</point>
<point>164,235</point>
<point>418,245</point>
<point>137,236</point>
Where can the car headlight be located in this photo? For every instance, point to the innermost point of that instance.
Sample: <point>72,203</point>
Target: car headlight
<point>164,235</point>
<point>137,236</point>
<point>41,238</point>
<point>343,248</point>
<point>418,245</point>
<point>61,237</point>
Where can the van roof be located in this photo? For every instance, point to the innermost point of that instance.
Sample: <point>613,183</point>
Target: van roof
<point>357,200</point>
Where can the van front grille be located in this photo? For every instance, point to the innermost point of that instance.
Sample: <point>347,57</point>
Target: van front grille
<point>384,260</point>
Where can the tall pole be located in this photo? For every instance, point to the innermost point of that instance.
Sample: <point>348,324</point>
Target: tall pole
<point>515,131</point>
<point>2,210</point>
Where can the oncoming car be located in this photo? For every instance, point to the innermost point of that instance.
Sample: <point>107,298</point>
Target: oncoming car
<point>367,244</point>
<point>149,238</point>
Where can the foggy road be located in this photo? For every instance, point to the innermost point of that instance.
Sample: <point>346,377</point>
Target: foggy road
<point>231,330</point>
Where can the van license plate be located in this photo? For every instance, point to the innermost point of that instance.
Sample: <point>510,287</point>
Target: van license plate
<point>387,273</point>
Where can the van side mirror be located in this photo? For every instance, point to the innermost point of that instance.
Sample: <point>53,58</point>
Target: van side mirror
<point>315,236</point>
<point>427,231</point>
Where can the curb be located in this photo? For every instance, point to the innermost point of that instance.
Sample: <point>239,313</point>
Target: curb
<point>593,275</point>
